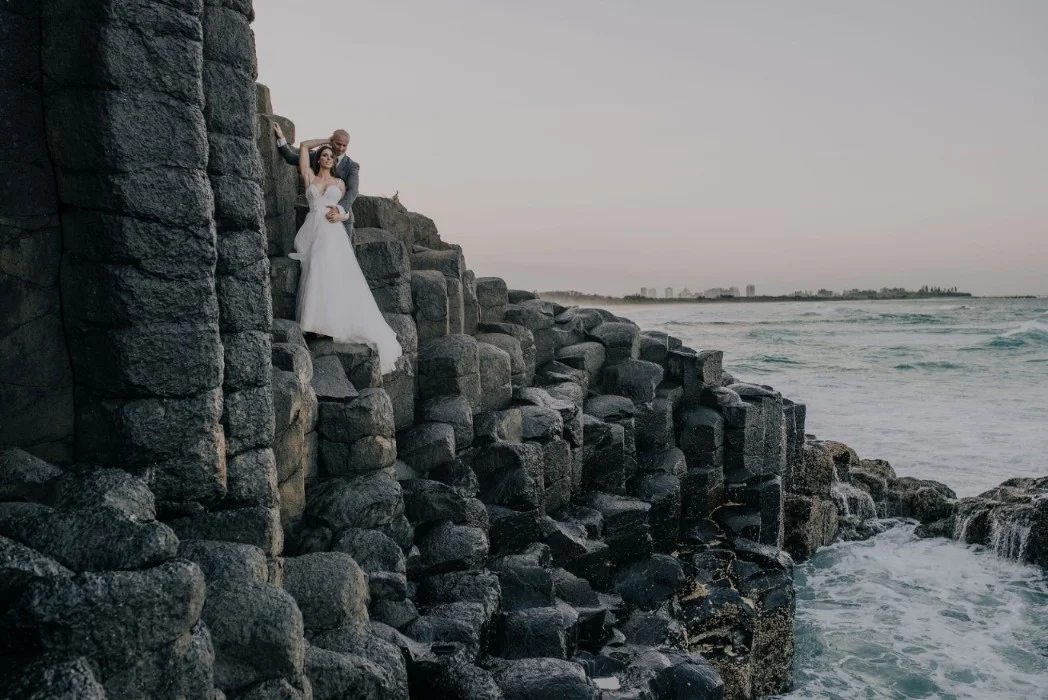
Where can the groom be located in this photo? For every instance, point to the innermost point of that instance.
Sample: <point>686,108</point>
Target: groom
<point>345,169</point>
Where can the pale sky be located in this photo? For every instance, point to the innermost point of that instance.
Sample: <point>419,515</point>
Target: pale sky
<point>605,145</point>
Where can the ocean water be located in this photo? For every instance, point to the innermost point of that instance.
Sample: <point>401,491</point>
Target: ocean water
<point>954,390</point>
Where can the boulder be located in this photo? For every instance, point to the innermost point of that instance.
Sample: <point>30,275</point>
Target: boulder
<point>492,297</point>
<point>453,410</point>
<point>257,634</point>
<point>525,338</point>
<point>523,585</point>
<point>330,589</point>
<point>109,617</point>
<point>427,445</point>
<point>334,675</point>
<point>634,379</point>
<point>626,528</point>
<point>540,424</point>
<point>384,261</point>
<point>329,380</point>
<point>497,426</point>
<point>511,346</point>
<point>512,530</point>
<point>96,539</point>
<point>51,679</point>
<point>226,562</point>
<point>696,679</point>
<point>570,410</point>
<point>663,492</point>
<point>255,526</point>
<point>603,456</point>
<point>924,500</point>
<point>449,547</point>
<point>23,476</point>
<point>366,501</point>
<point>495,378</point>
<point>647,583</point>
<point>528,679</point>
<point>403,324</point>
<point>449,365</point>
<point>654,428</point>
<point>694,371</point>
<point>621,341</point>
<point>373,551</point>
<point>429,293</point>
<point>459,476</point>
<point>587,356</point>
<point>558,477</point>
<point>20,566</point>
<point>359,360</point>
<point>549,632</point>
<point>370,413</point>
<point>428,501</point>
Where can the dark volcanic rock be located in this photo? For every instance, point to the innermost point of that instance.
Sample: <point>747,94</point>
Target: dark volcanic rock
<point>926,501</point>
<point>449,547</point>
<point>620,340</point>
<point>330,589</point>
<point>692,680</point>
<point>427,445</point>
<point>98,539</point>
<point>365,501</point>
<point>634,379</point>
<point>453,410</point>
<point>646,583</point>
<point>549,632</point>
<point>529,679</point>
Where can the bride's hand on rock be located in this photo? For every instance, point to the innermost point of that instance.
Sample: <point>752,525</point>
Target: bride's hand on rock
<point>334,215</point>
<point>277,130</point>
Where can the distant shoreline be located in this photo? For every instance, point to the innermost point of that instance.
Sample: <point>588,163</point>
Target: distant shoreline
<point>630,299</point>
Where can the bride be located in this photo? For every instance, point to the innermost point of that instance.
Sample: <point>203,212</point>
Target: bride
<point>333,296</point>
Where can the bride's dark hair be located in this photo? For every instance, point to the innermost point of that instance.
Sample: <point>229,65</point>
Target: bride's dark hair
<point>316,158</point>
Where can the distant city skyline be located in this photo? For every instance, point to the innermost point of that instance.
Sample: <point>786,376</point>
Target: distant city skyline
<point>605,144</point>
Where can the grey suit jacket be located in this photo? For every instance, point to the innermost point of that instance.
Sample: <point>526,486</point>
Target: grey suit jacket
<point>347,170</point>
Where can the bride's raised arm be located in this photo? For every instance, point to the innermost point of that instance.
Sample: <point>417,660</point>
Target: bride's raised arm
<point>304,167</point>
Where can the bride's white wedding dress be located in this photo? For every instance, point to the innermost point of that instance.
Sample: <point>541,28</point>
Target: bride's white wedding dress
<point>333,296</point>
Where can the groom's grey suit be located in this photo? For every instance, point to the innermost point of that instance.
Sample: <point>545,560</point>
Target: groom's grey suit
<point>346,170</point>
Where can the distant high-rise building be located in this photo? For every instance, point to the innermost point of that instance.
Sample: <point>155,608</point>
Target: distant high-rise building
<point>644,292</point>
<point>669,292</point>
<point>751,291</point>
<point>733,291</point>
<point>685,293</point>
<point>652,294</point>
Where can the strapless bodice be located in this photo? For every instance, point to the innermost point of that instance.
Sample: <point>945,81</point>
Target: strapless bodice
<point>318,199</point>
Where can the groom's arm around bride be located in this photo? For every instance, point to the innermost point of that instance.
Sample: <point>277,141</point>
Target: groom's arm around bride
<point>346,169</point>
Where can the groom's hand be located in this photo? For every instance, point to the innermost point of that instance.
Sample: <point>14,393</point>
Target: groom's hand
<point>334,215</point>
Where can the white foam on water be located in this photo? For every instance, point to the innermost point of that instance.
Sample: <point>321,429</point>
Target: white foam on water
<point>1027,328</point>
<point>900,617</point>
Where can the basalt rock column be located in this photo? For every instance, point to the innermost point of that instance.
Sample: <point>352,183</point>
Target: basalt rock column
<point>36,385</point>
<point>126,130</point>
<point>242,271</point>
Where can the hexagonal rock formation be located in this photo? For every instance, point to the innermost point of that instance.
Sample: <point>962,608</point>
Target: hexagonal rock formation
<point>539,501</point>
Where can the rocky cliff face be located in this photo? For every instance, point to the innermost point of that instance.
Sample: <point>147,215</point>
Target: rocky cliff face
<point>36,383</point>
<point>538,501</point>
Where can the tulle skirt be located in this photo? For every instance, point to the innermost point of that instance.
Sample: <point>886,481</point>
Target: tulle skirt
<point>333,296</point>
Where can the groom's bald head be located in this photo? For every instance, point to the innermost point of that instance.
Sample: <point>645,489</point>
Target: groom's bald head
<point>339,141</point>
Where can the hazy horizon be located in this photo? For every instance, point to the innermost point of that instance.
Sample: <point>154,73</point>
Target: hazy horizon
<point>602,146</point>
